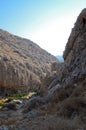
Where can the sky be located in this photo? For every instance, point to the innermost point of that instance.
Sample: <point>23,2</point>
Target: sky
<point>46,22</point>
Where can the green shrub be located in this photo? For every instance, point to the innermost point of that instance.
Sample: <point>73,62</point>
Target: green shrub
<point>17,95</point>
<point>1,104</point>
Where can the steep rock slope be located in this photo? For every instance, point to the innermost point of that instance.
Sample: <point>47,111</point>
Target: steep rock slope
<point>23,64</point>
<point>69,96</point>
<point>75,52</point>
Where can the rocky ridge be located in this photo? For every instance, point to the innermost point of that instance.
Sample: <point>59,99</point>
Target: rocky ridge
<point>23,64</point>
<point>75,52</point>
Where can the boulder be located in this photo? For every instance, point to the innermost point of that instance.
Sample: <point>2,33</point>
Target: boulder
<point>14,104</point>
<point>3,127</point>
<point>33,102</point>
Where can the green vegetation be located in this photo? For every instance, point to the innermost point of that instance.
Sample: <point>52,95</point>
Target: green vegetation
<point>34,90</point>
<point>15,96</point>
<point>1,104</point>
<point>22,95</point>
<point>18,95</point>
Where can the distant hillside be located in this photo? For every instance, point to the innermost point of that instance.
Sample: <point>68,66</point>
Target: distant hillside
<point>60,58</point>
<point>23,64</point>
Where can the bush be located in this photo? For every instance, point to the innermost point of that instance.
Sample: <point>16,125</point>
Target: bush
<point>22,95</point>
<point>72,106</point>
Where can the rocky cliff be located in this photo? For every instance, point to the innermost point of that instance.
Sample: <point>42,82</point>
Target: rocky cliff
<point>23,64</point>
<point>75,52</point>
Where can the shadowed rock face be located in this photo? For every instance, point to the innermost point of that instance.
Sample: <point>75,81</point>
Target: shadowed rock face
<point>23,64</point>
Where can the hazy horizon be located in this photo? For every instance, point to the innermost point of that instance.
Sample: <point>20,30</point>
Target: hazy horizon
<point>48,23</point>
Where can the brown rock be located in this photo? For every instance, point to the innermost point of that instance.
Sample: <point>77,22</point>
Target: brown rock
<point>75,52</point>
<point>23,64</point>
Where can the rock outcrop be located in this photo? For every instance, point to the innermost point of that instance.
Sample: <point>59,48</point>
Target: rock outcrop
<point>75,52</point>
<point>23,64</point>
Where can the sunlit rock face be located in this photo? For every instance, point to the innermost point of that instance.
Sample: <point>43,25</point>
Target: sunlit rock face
<point>23,64</point>
<point>75,51</point>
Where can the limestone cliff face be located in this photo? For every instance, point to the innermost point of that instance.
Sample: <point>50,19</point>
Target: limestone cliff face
<point>23,64</point>
<point>75,52</point>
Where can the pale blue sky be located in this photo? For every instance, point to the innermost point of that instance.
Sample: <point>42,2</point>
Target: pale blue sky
<point>46,22</point>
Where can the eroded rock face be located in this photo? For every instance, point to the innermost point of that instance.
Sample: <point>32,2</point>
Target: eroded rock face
<point>23,64</point>
<point>75,52</point>
<point>76,37</point>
